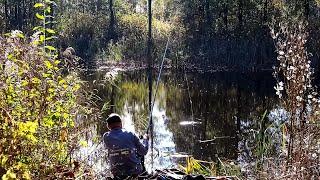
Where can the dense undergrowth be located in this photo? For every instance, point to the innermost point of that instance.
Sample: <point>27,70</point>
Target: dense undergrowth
<point>39,105</point>
<point>219,35</point>
<point>286,143</point>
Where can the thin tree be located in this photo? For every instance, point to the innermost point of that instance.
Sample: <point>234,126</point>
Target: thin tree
<point>149,51</point>
<point>112,33</point>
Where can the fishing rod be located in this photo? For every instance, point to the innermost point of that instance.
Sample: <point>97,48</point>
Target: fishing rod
<point>157,87</point>
<point>149,129</point>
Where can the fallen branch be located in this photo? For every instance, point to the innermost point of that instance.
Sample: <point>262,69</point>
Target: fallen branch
<point>215,138</point>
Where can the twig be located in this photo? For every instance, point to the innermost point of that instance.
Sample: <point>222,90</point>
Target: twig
<point>215,138</point>
<point>82,176</point>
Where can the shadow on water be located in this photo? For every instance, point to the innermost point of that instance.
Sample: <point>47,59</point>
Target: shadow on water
<point>199,117</point>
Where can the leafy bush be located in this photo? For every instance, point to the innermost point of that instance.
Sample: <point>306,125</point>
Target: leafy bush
<point>134,29</point>
<point>115,51</point>
<point>300,98</point>
<point>38,104</point>
<point>83,31</point>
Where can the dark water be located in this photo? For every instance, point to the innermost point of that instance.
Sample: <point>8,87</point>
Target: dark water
<point>189,110</point>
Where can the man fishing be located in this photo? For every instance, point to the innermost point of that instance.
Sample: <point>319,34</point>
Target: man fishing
<point>124,149</point>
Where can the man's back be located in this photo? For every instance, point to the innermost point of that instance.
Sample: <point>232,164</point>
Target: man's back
<point>124,148</point>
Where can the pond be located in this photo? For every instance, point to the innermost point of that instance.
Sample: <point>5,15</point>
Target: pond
<point>197,114</point>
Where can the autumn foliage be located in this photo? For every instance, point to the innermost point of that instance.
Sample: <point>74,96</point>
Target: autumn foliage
<point>38,104</point>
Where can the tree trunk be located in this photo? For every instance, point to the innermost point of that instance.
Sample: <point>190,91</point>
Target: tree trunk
<point>306,8</point>
<point>24,15</point>
<point>149,50</point>
<point>62,8</point>
<point>6,17</point>
<point>98,5</point>
<point>225,18</point>
<point>149,53</point>
<point>112,21</point>
<point>30,14</point>
<point>19,11</point>
<point>265,10</point>
<point>240,14</point>
<point>208,18</point>
<point>15,22</point>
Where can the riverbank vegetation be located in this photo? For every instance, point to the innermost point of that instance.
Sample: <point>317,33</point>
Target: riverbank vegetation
<point>220,35</point>
<point>39,105</point>
<point>299,97</point>
<point>287,140</point>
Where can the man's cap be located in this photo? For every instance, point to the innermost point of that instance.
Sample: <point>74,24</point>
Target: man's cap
<point>113,118</point>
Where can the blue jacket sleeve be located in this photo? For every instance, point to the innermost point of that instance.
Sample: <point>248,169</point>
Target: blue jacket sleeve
<point>142,148</point>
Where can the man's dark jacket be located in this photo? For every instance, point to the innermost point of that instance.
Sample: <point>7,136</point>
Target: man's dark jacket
<point>123,150</point>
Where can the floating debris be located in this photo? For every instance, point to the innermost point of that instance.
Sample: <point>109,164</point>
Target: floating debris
<point>176,155</point>
<point>215,138</point>
<point>112,74</point>
<point>187,123</point>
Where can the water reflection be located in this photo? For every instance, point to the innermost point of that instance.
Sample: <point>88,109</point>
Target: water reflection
<point>221,103</point>
<point>164,145</point>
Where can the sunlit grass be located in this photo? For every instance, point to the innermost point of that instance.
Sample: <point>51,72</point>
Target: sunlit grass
<point>219,168</point>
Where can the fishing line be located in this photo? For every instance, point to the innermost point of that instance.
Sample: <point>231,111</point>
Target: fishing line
<point>191,105</point>
<point>150,126</point>
<point>189,94</point>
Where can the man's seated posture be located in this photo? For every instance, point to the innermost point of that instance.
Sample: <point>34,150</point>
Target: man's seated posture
<point>124,148</point>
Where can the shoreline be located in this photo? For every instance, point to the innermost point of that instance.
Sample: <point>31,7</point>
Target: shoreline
<point>190,68</point>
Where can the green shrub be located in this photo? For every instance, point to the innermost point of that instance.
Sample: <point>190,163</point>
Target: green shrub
<point>37,104</point>
<point>115,51</point>
<point>84,31</point>
<point>134,29</point>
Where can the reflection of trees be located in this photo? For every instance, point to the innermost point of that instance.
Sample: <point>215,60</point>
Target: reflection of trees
<point>127,92</point>
<point>217,99</point>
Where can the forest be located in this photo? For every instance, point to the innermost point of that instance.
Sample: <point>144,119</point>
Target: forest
<point>240,73</point>
<point>223,35</point>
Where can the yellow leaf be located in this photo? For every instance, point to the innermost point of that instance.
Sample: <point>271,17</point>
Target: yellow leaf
<point>83,143</point>
<point>65,115</point>
<point>9,175</point>
<point>37,5</point>
<point>51,90</point>
<point>32,138</point>
<point>48,9</point>
<point>48,64</point>
<point>4,159</point>
<point>36,80</point>
<point>51,48</point>
<point>24,83</point>
<point>20,35</point>
<point>48,123</point>
<point>51,31</point>
<point>42,37</point>
<point>62,81</point>
<point>36,28</point>
<point>49,1</point>
<point>71,123</point>
<point>39,16</point>
<point>76,87</point>
<point>26,175</point>
<point>32,126</point>
<point>45,75</point>
<point>10,56</point>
